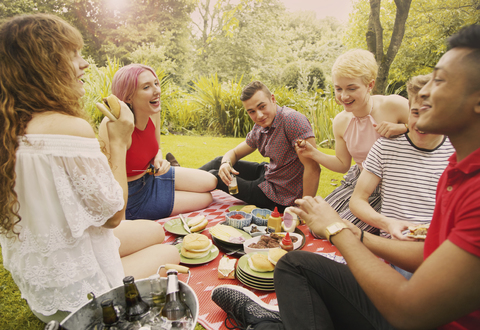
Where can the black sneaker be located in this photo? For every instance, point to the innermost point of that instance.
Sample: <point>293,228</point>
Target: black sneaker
<point>243,307</point>
<point>171,159</point>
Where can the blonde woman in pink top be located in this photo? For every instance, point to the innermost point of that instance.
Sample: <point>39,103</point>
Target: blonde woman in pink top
<point>364,119</point>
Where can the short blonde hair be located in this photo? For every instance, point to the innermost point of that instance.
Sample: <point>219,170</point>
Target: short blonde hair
<point>356,63</point>
<point>415,84</point>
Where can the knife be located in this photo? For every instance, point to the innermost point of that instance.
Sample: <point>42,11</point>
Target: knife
<point>149,170</point>
<point>185,224</point>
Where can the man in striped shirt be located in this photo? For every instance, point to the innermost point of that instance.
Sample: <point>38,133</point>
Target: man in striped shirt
<point>407,168</point>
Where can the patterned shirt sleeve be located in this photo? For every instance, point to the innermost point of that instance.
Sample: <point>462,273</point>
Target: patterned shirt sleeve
<point>297,127</point>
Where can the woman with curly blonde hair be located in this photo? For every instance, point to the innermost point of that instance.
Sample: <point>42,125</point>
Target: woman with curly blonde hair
<point>59,199</point>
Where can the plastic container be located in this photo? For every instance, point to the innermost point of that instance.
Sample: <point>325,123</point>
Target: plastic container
<point>286,243</point>
<point>275,222</point>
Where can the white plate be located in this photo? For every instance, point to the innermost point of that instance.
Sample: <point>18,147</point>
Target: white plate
<point>247,249</point>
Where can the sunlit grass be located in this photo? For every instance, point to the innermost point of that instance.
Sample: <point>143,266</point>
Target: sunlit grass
<point>190,151</point>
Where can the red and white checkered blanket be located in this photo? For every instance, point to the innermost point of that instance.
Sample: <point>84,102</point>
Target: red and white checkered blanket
<point>205,277</point>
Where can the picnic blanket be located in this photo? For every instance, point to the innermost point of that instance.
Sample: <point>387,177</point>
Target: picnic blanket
<point>204,277</point>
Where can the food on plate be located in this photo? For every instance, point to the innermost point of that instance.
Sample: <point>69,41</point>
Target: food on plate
<point>237,217</point>
<point>197,223</point>
<point>248,208</point>
<point>275,254</point>
<point>419,231</point>
<point>226,268</point>
<point>227,234</point>
<point>195,246</point>
<point>112,107</point>
<point>259,263</point>
<point>301,143</point>
<point>270,241</point>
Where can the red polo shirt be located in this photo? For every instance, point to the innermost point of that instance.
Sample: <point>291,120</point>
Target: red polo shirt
<point>457,218</point>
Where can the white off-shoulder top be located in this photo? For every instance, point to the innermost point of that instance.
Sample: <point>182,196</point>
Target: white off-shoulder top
<point>66,192</point>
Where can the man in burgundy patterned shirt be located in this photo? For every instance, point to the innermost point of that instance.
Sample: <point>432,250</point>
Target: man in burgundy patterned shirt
<point>287,176</point>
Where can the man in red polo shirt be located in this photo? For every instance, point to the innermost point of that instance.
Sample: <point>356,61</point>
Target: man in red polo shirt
<point>314,292</point>
<point>287,176</point>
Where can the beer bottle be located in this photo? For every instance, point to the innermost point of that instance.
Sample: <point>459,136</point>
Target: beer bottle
<point>136,308</point>
<point>110,318</point>
<point>174,308</point>
<point>157,292</point>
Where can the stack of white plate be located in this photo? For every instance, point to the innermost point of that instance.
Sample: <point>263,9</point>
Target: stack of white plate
<point>253,279</point>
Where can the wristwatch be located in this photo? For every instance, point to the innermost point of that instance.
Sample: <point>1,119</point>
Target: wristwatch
<point>334,229</point>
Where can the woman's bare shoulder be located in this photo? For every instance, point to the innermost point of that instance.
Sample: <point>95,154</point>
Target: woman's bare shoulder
<point>61,124</point>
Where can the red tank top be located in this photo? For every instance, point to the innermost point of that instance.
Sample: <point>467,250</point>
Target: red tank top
<point>143,149</point>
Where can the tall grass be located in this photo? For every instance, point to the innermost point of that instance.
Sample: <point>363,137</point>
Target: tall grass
<point>213,107</point>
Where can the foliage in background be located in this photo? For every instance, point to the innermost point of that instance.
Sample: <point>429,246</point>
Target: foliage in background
<point>212,107</point>
<point>428,26</point>
<point>304,76</point>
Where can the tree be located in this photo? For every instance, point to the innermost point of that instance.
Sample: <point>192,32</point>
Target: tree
<point>428,26</point>
<point>374,38</point>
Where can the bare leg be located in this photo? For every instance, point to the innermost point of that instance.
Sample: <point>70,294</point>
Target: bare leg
<point>186,201</point>
<point>137,235</point>
<point>140,248</point>
<point>144,263</point>
<point>190,179</point>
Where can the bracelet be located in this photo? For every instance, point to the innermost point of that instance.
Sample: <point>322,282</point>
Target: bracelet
<point>226,162</point>
<point>361,236</point>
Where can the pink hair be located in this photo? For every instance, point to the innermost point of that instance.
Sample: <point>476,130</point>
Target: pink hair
<point>125,81</point>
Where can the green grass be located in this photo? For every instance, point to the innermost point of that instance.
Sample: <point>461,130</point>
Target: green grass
<point>190,151</point>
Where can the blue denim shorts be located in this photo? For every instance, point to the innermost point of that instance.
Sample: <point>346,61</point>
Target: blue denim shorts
<point>151,197</point>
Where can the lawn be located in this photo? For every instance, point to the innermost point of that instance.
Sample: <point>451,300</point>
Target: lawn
<point>190,151</point>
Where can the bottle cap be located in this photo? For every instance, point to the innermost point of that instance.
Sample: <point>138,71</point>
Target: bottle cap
<point>106,302</point>
<point>286,240</point>
<point>275,213</point>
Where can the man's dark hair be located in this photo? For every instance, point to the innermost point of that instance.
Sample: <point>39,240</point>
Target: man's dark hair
<point>253,87</point>
<point>469,37</point>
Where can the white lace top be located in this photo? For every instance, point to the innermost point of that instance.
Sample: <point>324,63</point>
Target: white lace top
<point>66,192</point>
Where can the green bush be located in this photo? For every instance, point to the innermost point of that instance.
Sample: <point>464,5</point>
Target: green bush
<point>212,107</point>
<point>303,76</point>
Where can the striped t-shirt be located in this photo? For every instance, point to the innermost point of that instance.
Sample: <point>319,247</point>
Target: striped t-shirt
<point>409,176</point>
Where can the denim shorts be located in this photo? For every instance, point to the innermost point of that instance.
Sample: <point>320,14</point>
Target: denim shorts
<point>151,197</point>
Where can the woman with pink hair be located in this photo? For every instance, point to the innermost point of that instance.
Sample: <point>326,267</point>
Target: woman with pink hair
<point>155,189</point>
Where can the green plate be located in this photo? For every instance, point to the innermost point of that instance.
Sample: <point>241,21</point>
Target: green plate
<point>243,265</point>
<point>256,280</point>
<point>255,285</point>
<point>175,226</point>
<point>235,208</point>
<point>209,257</point>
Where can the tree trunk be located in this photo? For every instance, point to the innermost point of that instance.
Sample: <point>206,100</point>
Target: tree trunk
<point>374,37</point>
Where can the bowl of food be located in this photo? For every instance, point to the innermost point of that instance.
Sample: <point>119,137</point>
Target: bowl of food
<point>260,216</point>
<point>238,219</point>
<point>272,241</point>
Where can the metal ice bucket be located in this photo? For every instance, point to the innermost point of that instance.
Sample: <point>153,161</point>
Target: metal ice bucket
<point>90,313</point>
